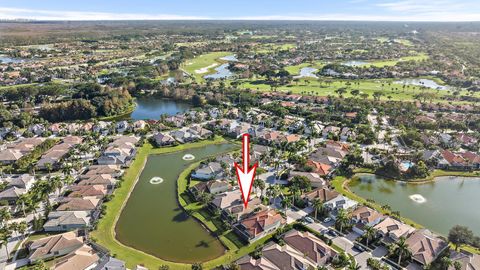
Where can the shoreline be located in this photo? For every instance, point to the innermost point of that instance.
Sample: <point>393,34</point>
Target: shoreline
<point>107,224</point>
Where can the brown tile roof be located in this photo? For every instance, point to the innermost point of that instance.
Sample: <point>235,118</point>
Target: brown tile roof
<point>309,245</point>
<point>366,214</point>
<point>323,194</point>
<point>256,224</point>
<point>49,245</point>
<point>78,204</point>
<point>82,258</point>
<point>425,246</point>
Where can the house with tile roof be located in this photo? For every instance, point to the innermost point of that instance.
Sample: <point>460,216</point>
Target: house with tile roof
<point>83,258</point>
<point>425,246</point>
<point>314,249</point>
<point>259,225</point>
<point>61,221</point>
<point>53,246</point>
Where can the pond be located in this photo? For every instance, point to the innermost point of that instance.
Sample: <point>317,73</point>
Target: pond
<point>222,72</point>
<point>153,221</point>
<point>355,63</point>
<point>437,205</point>
<point>152,108</point>
<point>7,59</point>
<point>307,72</point>
<point>423,82</point>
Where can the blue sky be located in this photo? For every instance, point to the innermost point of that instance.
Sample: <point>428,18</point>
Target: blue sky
<point>375,10</point>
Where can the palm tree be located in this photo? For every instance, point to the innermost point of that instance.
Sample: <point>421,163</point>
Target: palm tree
<point>22,228</point>
<point>286,203</point>
<point>273,191</point>
<point>369,232</point>
<point>294,190</point>
<point>342,220</point>
<point>56,183</point>
<point>317,206</point>
<point>400,249</point>
<point>353,265</point>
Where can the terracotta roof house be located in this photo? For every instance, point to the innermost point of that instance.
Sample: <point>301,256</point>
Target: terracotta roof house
<point>99,179</point>
<point>232,207</point>
<point>93,191</point>
<point>319,168</point>
<point>113,170</point>
<point>53,246</point>
<point>259,225</point>
<point>365,216</point>
<point>82,259</point>
<point>59,221</point>
<point>425,246</point>
<point>391,229</point>
<point>323,194</point>
<point>313,248</point>
<point>286,258</point>
<point>78,204</point>
<point>162,139</point>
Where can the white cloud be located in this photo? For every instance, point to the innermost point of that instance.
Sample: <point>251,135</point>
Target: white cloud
<point>16,13</point>
<point>404,10</point>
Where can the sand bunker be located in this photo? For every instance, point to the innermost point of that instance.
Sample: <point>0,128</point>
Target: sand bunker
<point>418,198</point>
<point>205,69</point>
<point>156,180</point>
<point>188,157</point>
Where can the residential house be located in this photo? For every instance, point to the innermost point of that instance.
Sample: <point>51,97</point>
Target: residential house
<point>78,204</point>
<point>59,221</point>
<point>232,207</point>
<point>163,139</point>
<point>183,135</point>
<point>58,152</point>
<point>340,202</point>
<point>392,229</point>
<point>286,258</point>
<point>11,195</point>
<point>323,194</point>
<point>53,246</point>
<point>319,168</point>
<point>83,258</point>
<point>208,171</point>
<point>468,261</point>
<point>212,187</point>
<point>97,179</point>
<point>113,170</point>
<point>249,263</point>
<point>330,130</point>
<point>365,216</point>
<point>314,249</point>
<point>23,181</point>
<point>122,126</point>
<point>90,191</point>
<point>259,225</point>
<point>111,264</point>
<point>315,180</point>
<point>16,150</point>
<point>425,246</point>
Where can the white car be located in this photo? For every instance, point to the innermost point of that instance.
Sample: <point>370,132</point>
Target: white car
<point>309,220</point>
<point>327,220</point>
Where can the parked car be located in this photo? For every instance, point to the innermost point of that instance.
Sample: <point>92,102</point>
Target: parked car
<point>309,220</point>
<point>332,232</point>
<point>359,247</point>
<point>327,220</point>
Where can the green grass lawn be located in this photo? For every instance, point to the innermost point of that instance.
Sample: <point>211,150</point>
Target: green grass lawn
<point>322,88</point>
<point>203,61</point>
<point>295,70</point>
<point>105,232</point>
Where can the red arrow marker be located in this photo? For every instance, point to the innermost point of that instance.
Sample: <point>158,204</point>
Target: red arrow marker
<point>246,175</point>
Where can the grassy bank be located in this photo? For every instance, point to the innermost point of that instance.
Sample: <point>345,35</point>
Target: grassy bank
<point>105,232</point>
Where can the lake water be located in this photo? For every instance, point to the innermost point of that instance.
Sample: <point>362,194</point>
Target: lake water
<point>6,59</point>
<point>307,72</point>
<point>222,72</point>
<point>152,108</point>
<point>230,58</point>
<point>355,63</point>
<point>152,220</point>
<point>444,203</point>
<point>423,82</point>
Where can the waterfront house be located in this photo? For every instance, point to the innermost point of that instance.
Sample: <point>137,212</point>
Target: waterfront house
<point>391,229</point>
<point>82,258</point>
<point>249,263</point>
<point>315,180</point>
<point>365,216</point>
<point>468,261</point>
<point>163,139</point>
<point>61,221</point>
<point>425,246</point>
<point>259,225</point>
<point>208,171</point>
<point>78,204</point>
<point>53,246</point>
